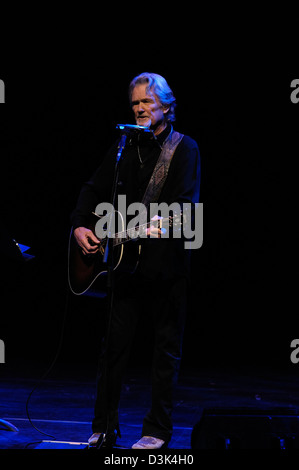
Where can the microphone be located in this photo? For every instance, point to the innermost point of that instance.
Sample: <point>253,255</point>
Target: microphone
<point>133,128</point>
<point>129,130</point>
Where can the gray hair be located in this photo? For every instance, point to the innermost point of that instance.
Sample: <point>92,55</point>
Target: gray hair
<point>159,86</point>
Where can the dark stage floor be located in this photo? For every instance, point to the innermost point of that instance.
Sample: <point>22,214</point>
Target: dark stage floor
<point>62,405</point>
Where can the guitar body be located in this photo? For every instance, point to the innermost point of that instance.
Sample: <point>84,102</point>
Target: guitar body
<point>87,274</point>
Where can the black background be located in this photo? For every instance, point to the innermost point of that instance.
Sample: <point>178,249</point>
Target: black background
<point>59,119</point>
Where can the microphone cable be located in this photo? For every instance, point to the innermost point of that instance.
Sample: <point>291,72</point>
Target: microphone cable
<point>51,365</point>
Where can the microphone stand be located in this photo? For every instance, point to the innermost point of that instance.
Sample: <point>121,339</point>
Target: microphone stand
<point>121,146</point>
<point>108,259</point>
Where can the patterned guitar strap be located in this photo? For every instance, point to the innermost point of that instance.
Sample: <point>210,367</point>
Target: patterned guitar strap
<point>160,172</point>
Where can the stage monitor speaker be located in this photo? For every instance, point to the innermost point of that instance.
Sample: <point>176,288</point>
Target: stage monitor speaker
<point>246,428</point>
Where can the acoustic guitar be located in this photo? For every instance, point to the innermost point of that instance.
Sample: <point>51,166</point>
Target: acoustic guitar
<point>87,274</point>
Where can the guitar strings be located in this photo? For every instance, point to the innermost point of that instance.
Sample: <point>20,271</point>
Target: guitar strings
<point>124,234</point>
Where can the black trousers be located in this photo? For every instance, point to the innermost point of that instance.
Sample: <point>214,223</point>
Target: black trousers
<point>163,304</point>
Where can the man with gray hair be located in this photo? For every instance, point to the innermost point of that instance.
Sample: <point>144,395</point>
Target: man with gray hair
<point>155,295</point>
<point>157,85</point>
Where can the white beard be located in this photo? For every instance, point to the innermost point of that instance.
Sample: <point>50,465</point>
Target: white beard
<point>144,122</point>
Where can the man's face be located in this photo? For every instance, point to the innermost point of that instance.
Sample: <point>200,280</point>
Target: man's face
<point>147,108</point>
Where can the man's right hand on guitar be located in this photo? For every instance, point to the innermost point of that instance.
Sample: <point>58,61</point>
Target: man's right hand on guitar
<point>87,241</point>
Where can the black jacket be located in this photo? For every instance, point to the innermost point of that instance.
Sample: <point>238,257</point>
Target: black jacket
<point>160,258</point>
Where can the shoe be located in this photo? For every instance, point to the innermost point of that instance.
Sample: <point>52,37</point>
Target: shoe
<point>148,442</point>
<point>102,440</point>
<point>94,438</point>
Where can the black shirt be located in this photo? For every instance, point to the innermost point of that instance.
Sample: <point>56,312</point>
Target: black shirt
<point>160,258</point>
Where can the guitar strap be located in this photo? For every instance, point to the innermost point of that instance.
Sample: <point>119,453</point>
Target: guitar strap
<point>160,172</point>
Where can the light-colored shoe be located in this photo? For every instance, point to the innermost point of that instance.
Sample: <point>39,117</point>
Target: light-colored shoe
<point>148,442</point>
<point>94,438</point>
<point>102,440</point>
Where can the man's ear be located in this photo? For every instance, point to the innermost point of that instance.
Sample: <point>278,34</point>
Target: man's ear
<point>166,109</point>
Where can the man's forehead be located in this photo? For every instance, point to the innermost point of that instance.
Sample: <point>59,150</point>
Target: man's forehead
<point>142,90</point>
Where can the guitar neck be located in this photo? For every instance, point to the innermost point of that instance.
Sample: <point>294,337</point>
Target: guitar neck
<point>131,234</point>
<point>140,230</point>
